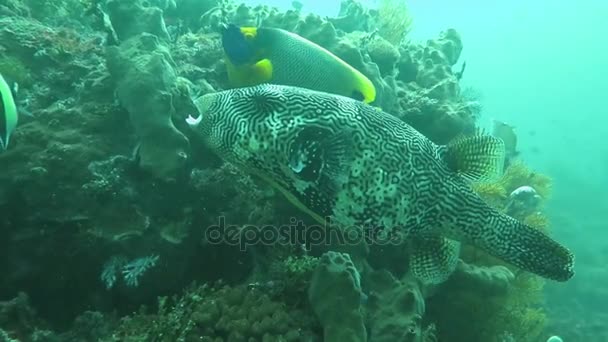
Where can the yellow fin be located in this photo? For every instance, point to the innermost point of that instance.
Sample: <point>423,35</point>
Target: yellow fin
<point>262,71</point>
<point>477,158</point>
<point>249,32</point>
<point>250,74</point>
<point>366,88</point>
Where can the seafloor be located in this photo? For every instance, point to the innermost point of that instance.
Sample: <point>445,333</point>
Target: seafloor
<point>104,195</point>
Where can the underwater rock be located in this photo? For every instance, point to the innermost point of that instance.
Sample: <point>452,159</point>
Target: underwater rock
<point>38,47</point>
<point>428,92</point>
<point>353,16</point>
<point>130,18</point>
<point>493,280</point>
<point>396,308</point>
<point>430,66</point>
<point>439,120</point>
<point>336,297</point>
<point>384,54</point>
<point>190,11</point>
<point>113,191</point>
<point>145,77</point>
<point>13,8</point>
<point>227,12</point>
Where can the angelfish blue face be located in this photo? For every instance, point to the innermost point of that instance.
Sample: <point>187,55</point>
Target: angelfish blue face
<point>236,46</point>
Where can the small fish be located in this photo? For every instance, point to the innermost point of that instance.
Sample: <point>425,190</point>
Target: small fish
<point>460,73</point>
<point>359,166</point>
<point>270,55</point>
<point>8,111</point>
<point>506,132</point>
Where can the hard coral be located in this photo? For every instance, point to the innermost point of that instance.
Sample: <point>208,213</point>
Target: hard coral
<point>396,308</point>
<point>428,91</point>
<point>384,54</point>
<point>13,69</point>
<point>336,297</point>
<point>219,313</point>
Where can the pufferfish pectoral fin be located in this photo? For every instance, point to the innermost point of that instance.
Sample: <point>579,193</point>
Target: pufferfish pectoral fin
<point>320,156</point>
<point>433,258</point>
<point>476,158</point>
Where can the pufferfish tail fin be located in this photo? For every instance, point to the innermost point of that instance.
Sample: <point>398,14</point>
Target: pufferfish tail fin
<point>526,247</point>
<point>477,158</point>
<point>433,258</point>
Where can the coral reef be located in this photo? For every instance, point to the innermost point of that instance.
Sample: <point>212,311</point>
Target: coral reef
<point>105,78</point>
<point>142,69</point>
<point>428,90</point>
<point>218,313</point>
<point>396,308</point>
<point>336,298</point>
<point>149,19</point>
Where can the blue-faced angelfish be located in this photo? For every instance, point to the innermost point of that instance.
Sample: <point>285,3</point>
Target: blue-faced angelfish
<point>334,157</point>
<point>270,55</point>
<point>8,111</point>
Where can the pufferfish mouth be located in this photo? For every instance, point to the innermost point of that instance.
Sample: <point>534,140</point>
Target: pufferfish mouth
<point>192,121</point>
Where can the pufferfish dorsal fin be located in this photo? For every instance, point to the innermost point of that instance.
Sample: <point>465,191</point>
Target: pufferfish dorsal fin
<point>433,258</point>
<point>477,158</point>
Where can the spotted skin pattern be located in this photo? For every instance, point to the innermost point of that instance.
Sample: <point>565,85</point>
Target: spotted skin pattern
<point>336,157</point>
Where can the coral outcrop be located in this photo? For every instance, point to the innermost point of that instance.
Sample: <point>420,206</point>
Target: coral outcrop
<point>396,308</point>
<point>146,81</point>
<point>219,313</point>
<point>336,297</point>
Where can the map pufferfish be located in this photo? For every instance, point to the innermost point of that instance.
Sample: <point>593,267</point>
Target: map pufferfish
<point>271,55</point>
<point>339,158</point>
